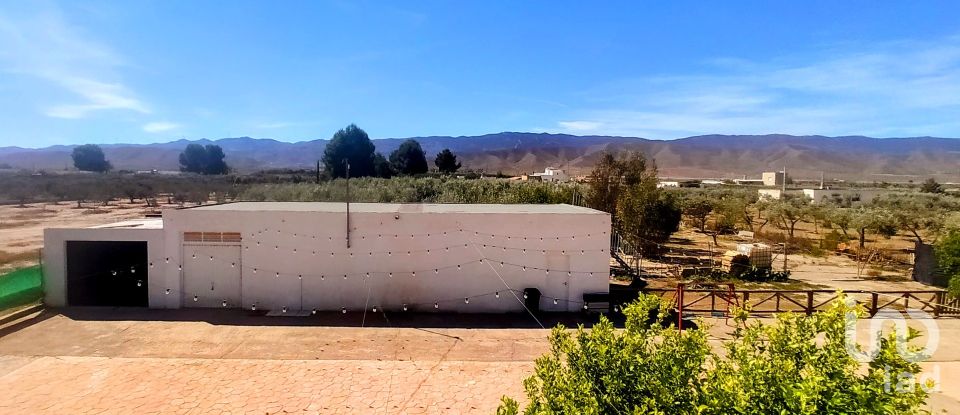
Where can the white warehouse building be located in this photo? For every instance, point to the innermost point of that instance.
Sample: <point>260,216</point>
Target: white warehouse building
<point>317,256</point>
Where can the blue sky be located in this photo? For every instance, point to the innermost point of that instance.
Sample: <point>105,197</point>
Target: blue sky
<point>149,71</point>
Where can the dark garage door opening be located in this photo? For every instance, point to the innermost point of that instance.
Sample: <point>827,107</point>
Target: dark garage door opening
<point>107,273</point>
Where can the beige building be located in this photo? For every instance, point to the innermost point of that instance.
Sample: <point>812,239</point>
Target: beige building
<point>772,178</point>
<point>317,256</point>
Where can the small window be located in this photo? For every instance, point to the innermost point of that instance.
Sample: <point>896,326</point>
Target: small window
<point>211,237</point>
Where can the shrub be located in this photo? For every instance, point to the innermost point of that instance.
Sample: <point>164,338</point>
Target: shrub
<point>799,365</point>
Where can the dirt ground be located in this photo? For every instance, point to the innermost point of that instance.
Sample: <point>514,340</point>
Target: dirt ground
<point>829,271</point>
<point>21,228</point>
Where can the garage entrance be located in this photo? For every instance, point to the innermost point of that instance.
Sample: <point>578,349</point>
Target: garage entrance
<point>107,273</point>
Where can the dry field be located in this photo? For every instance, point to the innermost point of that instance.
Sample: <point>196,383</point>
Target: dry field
<point>828,270</point>
<point>21,228</point>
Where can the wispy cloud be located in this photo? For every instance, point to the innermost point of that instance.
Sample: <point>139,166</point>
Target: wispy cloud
<point>580,125</point>
<point>45,46</point>
<point>160,126</point>
<point>898,88</point>
<point>98,96</point>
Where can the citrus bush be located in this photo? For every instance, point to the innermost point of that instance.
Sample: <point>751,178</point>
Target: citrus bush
<point>799,365</point>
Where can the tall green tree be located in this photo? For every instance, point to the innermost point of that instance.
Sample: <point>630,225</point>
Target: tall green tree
<point>382,167</point>
<point>215,160</point>
<point>200,159</point>
<point>409,158</point>
<point>352,145</point>
<point>447,162</point>
<point>90,157</point>
<point>947,250</point>
<point>647,217</point>
<point>193,158</point>
<point>626,187</point>
<point>606,180</point>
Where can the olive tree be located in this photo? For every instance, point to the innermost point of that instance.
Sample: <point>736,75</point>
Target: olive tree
<point>698,208</point>
<point>788,211</point>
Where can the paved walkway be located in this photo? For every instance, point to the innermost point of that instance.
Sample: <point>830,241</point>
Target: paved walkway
<point>205,362</point>
<point>94,385</point>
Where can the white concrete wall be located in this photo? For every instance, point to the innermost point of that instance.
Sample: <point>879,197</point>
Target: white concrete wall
<point>55,262</point>
<point>324,232</point>
<point>861,196</point>
<point>770,194</point>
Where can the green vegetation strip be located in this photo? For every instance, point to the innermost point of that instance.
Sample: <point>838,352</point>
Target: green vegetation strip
<point>23,286</point>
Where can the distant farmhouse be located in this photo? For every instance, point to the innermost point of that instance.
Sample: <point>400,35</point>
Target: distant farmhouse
<point>551,174</point>
<point>773,178</point>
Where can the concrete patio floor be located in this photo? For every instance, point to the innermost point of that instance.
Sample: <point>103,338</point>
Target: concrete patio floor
<point>102,360</point>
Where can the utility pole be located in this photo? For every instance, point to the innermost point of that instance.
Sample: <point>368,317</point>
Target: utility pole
<point>347,163</point>
<point>783,193</point>
<point>318,171</point>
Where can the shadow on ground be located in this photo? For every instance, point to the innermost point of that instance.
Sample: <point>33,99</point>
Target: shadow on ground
<point>236,317</point>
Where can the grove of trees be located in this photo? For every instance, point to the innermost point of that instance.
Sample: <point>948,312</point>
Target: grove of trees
<point>201,159</point>
<point>353,145</point>
<point>409,158</point>
<point>415,190</point>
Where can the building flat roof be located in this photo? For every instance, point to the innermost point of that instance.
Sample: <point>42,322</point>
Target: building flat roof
<point>340,207</point>
<point>151,223</point>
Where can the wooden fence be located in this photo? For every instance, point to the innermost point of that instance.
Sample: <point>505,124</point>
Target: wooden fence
<point>720,302</point>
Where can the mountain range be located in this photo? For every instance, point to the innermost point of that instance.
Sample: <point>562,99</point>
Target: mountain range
<point>706,156</point>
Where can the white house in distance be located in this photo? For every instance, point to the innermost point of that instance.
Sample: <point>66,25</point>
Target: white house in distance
<point>842,196</point>
<point>317,256</point>
<point>552,174</point>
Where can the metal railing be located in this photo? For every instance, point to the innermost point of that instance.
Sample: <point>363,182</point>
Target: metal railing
<point>719,301</point>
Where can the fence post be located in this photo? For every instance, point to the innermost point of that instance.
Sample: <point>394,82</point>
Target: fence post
<point>809,302</point>
<point>939,304</point>
<point>874,299</point>
<point>680,307</point>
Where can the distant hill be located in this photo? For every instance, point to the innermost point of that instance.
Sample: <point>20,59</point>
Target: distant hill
<point>731,156</point>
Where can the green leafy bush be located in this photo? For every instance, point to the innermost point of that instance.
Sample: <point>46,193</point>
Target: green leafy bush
<point>800,365</point>
<point>947,251</point>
